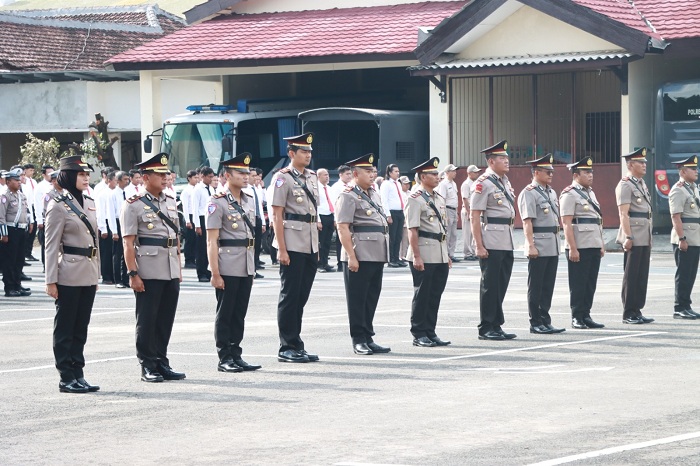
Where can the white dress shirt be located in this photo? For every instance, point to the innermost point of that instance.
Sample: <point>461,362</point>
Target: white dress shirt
<point>42,189</point>
<point>200,200</point>
<point>255,193</point>
<point>103,206</point>
<point>186,197</point>
<point>324,197</point>
<point>390,191</point>
<point>466,191</point>
<point>28,189</point>
<point>116,200</point>
<point>99,187</point>
<point>132,189</point>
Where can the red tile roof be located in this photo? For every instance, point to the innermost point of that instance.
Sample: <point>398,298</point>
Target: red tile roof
<point>354,32</point>
<point>73,42</point>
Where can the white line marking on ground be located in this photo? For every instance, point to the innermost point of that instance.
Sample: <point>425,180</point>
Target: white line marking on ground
<point>351,463</point>
<point>551,345</point>
<point>613,450</point>
<point>51,318</point>
<point>94,361</point>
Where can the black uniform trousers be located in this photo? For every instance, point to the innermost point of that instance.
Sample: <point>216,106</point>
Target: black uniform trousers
<point>428,286</point>
<point>395,234</point>
<point>687,270</point>
<point>635,280</point>
<point>13,258</point>
<point>106,260</point>
<point>297,279</point>
<point>495,276</point>
<point>257,234</point>
<point>202,260</point>
<point>542,273</point>
<point>325,238</point>
<point>190,241</point>
<point>583,279</point>
<point>29,241</point>
<point>362,290</point>
<point>41,237</point>
<point>119,271</point>
<point>231,309</point>
<point>70,329</point>
<point>155,314</point>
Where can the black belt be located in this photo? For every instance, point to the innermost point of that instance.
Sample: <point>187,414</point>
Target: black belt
<point>500,220</point>
<point>595,221</point>
<point>308,218</point>
<point>453,208</point>
<point>640,215</point>
<point>163,242</point>
<point>690,220</point>
<point>426,234</point>
<point>87,252</point>
<point>545,229</point>
<point>244,243</point>
<point>370,229</point>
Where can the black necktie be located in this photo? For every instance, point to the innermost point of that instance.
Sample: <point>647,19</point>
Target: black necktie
<point>208,192</point>
<point>124,195</point>
<point>257,207</point>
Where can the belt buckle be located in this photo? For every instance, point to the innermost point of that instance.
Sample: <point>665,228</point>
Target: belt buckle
<point>313,218</point>
<point>512,221</point>
<point>443,236</point>
<point>558,229</point>
<point>170,242</point>
<point>386,230</point>
<point>251,243</point>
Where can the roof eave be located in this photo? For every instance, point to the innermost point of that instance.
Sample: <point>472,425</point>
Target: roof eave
<point>208,10</point>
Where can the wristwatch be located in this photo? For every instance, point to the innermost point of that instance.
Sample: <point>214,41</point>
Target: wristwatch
<point>629,237</point>
<point>682,238</point>
<point>132,273</point>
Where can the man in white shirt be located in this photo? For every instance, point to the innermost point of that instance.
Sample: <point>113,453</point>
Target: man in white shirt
<point>465,190</point>
<point>28,188</point>
<point>116,201</point>
<point>405,188</point>
<point>169,179</point>
<point>42,189</point>
<point>393,204</point>
<point>448,189</point>
<point>344,181</point>
<point>256,192</point>
<point>103,182</point>
<point>135,186</point>
<point>326,220</point>
<point>200,199</point>
<point>103,204</point>
<point>186,198</point>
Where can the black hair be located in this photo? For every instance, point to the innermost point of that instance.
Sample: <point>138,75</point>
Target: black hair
<point>134,171</point>
<point>390,168</point>
<point>111,175</point>
<point>67,179</point>
<point>28,165</point>
<point>46,167</point>
<point>191,173</point>
<point>259,171</point>
<point>206,171</point>
<point>343,168</point>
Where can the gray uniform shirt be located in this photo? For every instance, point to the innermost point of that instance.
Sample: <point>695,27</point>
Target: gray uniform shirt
<point>420,215</point>
<point>490,198</point>
<point>587,235</point>
<point>62,227</point>
<point>351,208</point>
<point>136,218</point>
<point>533,205</point>
<point>683,200</point>
<point>299,236</point>
<point>13,208</point>
<point>633,191</point>
<point>234,261</point>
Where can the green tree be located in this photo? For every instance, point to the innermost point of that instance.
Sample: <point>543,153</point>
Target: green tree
<point>40,152</point>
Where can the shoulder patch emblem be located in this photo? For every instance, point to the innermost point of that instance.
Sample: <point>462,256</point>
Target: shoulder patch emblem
<point>348,189</point>
<point>478,187</point>
<point>680,183</point>
<point>3,199</point>
<point>211,208</point>
<point>279,182</point>
<point>47,198</point>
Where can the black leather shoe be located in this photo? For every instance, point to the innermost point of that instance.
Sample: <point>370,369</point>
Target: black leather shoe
<point>91,388</point>
<point>312,357</point>
<point>27,264</point>
<point>362,349</point>
<point>168,373</point>
<point>403,263</point>
<point>492,335</point>
<point>578,323</point>
<point>684,314</point>
<point>329,268</point>
<point>455,260</point>
<point>507,336</point>
<point>245,366</point>
<point>17,293</point>
<point>25,278</point>
<point>378,349</point>
<point>438,342</point>
<point>228,366</point>
<point>190,265</point>
<point>633,320</point>
<point>553,329</point>
<point>261,262</point>
<point>646,320</point>
<point>203,279</point>
<point>71,387</point>
<point>424,342</point>
<point>31,258</point>
<point>257,275</point>
<point>25,289</point>
<point>690,311</point>
<point>394,265</point>
<point>540,329</point>
<point>590,323</point>
<point>150,375</point>
<point>259,267</point>
<point>291,355</point>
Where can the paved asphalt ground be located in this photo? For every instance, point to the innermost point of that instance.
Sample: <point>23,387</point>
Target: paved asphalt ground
<point>621,395</point>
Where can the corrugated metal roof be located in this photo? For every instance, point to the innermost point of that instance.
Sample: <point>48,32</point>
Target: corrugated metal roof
<point>464,63</point>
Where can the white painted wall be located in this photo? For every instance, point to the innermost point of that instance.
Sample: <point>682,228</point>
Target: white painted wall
<point>529,31</point>
<point>118,102</point>
<point>439,126</point>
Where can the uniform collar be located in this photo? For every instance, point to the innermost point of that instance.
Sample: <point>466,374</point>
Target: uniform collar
<point>578,185</point>
<point>151,197</point>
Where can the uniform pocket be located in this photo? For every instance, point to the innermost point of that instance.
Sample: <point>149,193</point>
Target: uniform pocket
<point>292,226</point>
<point>492,227</point>
<point>368,236</point>
<point>147,251</point>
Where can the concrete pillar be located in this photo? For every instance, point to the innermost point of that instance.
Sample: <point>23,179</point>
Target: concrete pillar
<point>150,103</point>
<point>439,126</point>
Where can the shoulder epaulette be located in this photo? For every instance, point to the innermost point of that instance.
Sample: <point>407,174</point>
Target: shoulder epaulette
<point>284,170</point>
<point>348,189</point>
<point>530,187</point>
<point>220,195</point>
<point>680,183</point>
<point>87,197</point>
<point>169,195</point>
<point>438,194</point>
<point>311,172</point>
<point>567,189</point>
<point>417,194</point>
<point>482,177</point>
<point>246,194</point>
<point>626,178</point>
<point>58,198</point>
<point>134,198</point>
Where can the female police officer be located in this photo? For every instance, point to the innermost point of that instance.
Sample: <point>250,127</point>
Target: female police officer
<point>72,270</point>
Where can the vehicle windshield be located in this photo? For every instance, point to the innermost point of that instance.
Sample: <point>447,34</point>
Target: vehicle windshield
<point>194,145</point>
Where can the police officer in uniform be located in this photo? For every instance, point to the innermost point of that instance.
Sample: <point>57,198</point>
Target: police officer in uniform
<point>231,253</point>
<point>149,227</point>
<point>583,231</point>
<point>294,219</point>
<point>539,210</point>
<point>492,216</point>
<point>684,205</point>
<point>429,261</point>
<point>72,270</point>
<point>14,221</point>
<point>634,234</point>
<point>363,231</point>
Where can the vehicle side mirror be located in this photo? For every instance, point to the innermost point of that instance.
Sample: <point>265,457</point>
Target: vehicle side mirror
<point>226,144</point>
<point>147,145</point>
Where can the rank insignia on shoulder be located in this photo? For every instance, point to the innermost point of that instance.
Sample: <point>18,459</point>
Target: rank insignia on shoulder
<point>417,194</point>
<point>626,178</point>
<point>478,187</point>
<point>169,196</point>
<point>87,197</point>
<point>219,195</point>
<point>134,198</point>
<point>348,189</point>
<point>567,189</point>
<point>284,170</point>
<point>680,183</point>
<point>482,177</point>
<point>530,187</point>
<point>311,172</point>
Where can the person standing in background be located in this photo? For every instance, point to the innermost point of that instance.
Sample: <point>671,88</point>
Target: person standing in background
<point>28,188</point>
<point>448,189</point>
<point>390,190</point>
<point>326,220</point>
<point>136,181</point>
<point>104,210</point>
<point>465,190</point>
<point>344,182</point>
<point>42,189</point>
<point>121,279</point>
<point>14,222</point>
<point>200,199</point>
<point>405,188</point>
<point>186,198</point>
